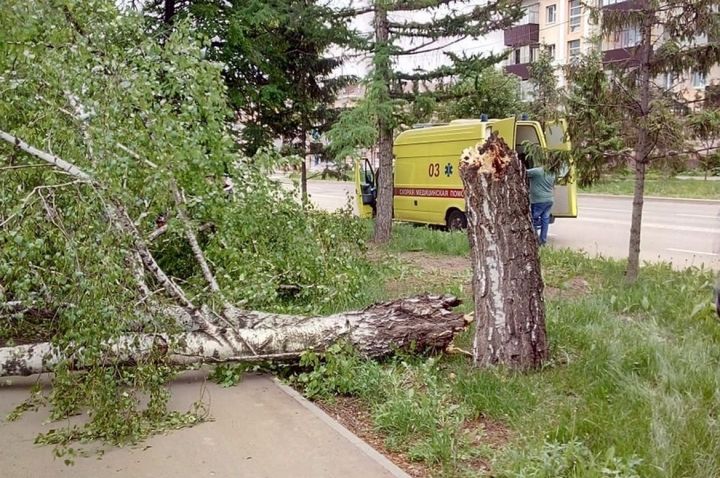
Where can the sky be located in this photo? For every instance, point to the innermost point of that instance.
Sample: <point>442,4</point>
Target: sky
<point>492,43</point>
<point>358,66</point>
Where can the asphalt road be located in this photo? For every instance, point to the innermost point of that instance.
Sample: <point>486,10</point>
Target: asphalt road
<point>683,232</point>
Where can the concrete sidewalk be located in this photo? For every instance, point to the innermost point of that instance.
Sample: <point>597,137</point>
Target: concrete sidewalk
<point>260,429</point>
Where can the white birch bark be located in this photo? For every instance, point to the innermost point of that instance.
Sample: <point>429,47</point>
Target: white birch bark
<point>425,322</point>
<point>507,284</point>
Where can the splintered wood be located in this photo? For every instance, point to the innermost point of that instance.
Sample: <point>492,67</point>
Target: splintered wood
<point>491,158</point>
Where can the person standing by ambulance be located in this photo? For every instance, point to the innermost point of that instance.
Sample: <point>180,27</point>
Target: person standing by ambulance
<point>542,186</point>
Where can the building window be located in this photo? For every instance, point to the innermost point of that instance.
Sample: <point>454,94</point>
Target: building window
<point>525,55</point>
<point>605,3</point>
<point>516,57</point>
<point>551,14</point>
<point>550,49</point>
<point>698,80</point>
<point>575,8</point>
<point>573,49</point>
<point>532,14</point>
<point>669,80</point>
<point>628,38</point>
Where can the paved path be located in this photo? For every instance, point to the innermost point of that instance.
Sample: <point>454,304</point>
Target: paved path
<point>259,430</point>
<point>684,232</point>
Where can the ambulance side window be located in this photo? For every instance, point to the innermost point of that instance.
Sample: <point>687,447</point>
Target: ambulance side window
<point>368,173</point>
<point>554,135</point>
<point>525,134</point>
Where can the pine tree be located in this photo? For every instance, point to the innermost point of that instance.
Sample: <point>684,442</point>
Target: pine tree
<point>277,68</point>
<point>394,36</point>
<point>676,37</point>
<point>545,104</point>
<point>704,127</point>
<point>489,91</point>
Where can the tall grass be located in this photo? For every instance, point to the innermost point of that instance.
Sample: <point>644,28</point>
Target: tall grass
<point>632,386</point>
<point>407,237</point>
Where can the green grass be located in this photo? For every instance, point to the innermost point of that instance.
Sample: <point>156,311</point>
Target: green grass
<point>632,386</point>
<point>408,237</point>
<point>662,187</point>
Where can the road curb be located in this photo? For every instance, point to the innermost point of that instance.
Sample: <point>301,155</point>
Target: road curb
<point>371,452</point>
<point>652,198</point>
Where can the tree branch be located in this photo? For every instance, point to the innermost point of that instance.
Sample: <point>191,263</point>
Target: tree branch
<point>82,116</point>
<point>121,218</point>
<point>69,168</point>
<point>192,239</point>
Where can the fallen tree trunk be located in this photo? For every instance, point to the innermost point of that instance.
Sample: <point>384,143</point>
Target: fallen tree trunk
<point>425,322</point>
<point>507,283</point>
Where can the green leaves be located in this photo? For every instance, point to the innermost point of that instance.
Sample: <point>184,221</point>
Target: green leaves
<point>276,62</point>
<point>487,91</point>
<point>229,375</point>
<point>138,115</point>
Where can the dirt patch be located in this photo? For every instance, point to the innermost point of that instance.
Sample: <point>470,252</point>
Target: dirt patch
<point>375,253</point>
<point>354,415</point>
<point>484,432</point>
<point>439,264</point>
<point>429,273</point>
<point>488,432</point>
<point>571,289</point>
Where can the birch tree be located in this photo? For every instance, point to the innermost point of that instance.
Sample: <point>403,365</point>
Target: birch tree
<point>125,250</point>
<point>507,283</point>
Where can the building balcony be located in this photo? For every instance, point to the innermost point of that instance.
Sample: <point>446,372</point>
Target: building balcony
<point>624,5</point>
<point>522,70</point>
<point>521,35</point>
<point>621,57</point>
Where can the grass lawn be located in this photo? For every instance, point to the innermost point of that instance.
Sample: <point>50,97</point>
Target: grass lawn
<point>632,387</point>
<point>663,187</point>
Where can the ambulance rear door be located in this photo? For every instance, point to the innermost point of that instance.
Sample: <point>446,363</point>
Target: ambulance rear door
<point>565,197</point>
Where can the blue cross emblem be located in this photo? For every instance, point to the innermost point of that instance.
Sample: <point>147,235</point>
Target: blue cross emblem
<point>448,170</point>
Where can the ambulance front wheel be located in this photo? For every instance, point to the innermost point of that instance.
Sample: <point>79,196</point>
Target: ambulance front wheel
<point>456,220</point>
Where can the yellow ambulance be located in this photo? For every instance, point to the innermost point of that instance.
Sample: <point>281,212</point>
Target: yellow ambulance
<point>427,186</point>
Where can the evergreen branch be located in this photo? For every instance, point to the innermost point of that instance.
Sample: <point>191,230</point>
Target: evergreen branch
<point>354,12</point>
<point>441,72</point>
<point>678,60</point>
<point>418,50</point>
<point>437,95</point>
<point>477,22</point>
<point>410,5</point>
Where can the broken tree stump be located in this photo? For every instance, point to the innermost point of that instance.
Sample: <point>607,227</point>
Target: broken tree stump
<point>507,283</point>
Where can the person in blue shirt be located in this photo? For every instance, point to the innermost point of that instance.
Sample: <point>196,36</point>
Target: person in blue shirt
<point>542,185</point>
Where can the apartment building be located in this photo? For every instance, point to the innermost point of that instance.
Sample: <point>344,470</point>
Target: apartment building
<point>619,49</point>
<point>563,28</point>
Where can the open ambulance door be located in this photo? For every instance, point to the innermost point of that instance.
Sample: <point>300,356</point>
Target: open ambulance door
<point>365,188</point>
<point>565,197</point>
<point>505,128</point>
